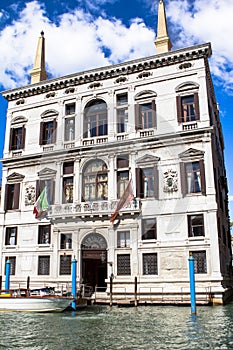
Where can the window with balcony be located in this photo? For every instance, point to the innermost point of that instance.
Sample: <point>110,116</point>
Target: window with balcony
<point>145,115</point>
<point>68,182</point>
<point>149,229</point>
<point>150,264</point>
<point>123,239</point>
<point>48,132</point>
<point>95,181</point>
<point>65,265</point>
<point>200,264</point>
<point>123,265</point>
<point>188,108</point>
<point>17,138</point>
<point>196,225</point>
<point>11,236</point>
<point>95,119</point>
<point>122,112</point>
<point>69,128</point>
<point>12,264</point>
<point>122,174</point>
<point>44,265</point>
<point>66,241</point>
<point>44,234</point>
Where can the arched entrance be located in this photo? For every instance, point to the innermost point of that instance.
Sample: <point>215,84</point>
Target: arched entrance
<point>94,261</point>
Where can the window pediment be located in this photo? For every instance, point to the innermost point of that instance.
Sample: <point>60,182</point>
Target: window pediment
<point>47,173</point>
<point>146,94</point>
<point>187,86</point>
<point>147,160</point>
<point>18,120</point>
<point>52,113</point>
<point>191,154</point>
<point>15,178</point>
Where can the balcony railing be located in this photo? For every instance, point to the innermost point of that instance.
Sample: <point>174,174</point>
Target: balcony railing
<point>90,209</point>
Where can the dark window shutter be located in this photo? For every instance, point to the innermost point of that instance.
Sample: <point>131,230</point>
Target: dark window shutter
<point>54,131</point>
<point>6,197</point>
<point>137,121</point>
<point>41,141</point>
<point>179,109</point>
<point>139,183</point>
<point>16,196</point>
<point>23,136</point>
<point>203,182</point>
<point>197,110</point>
<point>154,121</point>
<point>156,182</point>
<point>11,146</point>
<point>52,191</point>
<point>183,179</point>
<point>37,188</point>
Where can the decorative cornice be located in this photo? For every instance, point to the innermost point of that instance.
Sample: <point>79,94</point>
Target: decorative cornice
<point>113,71</point>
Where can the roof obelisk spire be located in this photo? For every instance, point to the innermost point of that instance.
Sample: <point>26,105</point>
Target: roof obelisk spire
<point>38,73</point>
<point>162,42</point>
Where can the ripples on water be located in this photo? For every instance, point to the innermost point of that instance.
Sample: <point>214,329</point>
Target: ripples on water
<point>103,328</point>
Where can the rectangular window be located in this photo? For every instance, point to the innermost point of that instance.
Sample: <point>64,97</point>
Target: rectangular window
<point>11,236</point>
<point>69,129</point>
<point>65,264</point>
<point>68,182</point>
<point>200,265</point>
<point>188,108</point>
<point>122,112</point>
<point>12,196</point>
<point>146,182</point>
<point>50,189</point>
<point>122,182</point>
<point>123,264</point>
<point>48,132</point>
<point>69,108</point>
<point>150,264</point>
<point>123,239</point>
<point>44,265</point>
<point>44,234</point>
<point>66,241</point>
<point>149,229</point>
<point>12,264</point>
<point>17,138</point>
<point>196,225</point>
<point>193,177</point>
<point>146,115</point>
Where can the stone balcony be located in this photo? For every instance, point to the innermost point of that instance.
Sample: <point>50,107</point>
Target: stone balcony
<point>92,209</point>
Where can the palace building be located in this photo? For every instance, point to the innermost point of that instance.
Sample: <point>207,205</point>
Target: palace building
<point>130,160</point>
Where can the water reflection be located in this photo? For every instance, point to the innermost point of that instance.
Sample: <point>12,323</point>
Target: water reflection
<point>101,328</point>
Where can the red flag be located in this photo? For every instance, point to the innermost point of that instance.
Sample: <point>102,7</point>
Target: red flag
<point>125,199</point>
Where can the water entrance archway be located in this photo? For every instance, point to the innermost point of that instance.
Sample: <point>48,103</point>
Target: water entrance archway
<point>94,261</point>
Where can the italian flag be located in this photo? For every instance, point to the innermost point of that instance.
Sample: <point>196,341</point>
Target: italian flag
<point>41,204</point>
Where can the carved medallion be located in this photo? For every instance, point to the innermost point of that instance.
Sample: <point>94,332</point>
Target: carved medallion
<point>30,194</point>
<point>170,179</point>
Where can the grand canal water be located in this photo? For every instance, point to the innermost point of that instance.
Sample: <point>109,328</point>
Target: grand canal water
<point>102,328</point>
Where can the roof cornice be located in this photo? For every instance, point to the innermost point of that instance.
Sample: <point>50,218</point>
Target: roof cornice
<point>116,70</point>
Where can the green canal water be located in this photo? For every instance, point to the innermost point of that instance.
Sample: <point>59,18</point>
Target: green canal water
<point>101,328</point>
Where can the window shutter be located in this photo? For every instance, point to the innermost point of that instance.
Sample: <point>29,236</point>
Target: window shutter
<point>197,110</point>
<point>52,191</point>
<point>41,141</point>
<point>139,184</point>
<point>137,111</point>
<point>154,121</point>
<point>16,196</point>
<point>203,182</point>
<point>156,182</point>
<point>183,180</point>
<point>6,197</point>
<point>23,136</point>
<point>54,131</point>
<point>11,146</point>
<point>179,109</point>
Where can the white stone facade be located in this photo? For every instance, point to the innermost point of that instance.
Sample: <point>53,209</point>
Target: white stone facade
<point>182,219</point>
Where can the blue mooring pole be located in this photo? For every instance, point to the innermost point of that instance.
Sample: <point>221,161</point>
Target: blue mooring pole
<point>74,288</point>
<point>192,285</point>
<point>8,269</point>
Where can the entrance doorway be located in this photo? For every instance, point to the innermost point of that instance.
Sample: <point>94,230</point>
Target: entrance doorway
<point>94,262</point>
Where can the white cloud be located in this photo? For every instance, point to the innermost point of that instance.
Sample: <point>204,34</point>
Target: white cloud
<point>201,21</point>
<point>230,198</point>
<point>76,42</point>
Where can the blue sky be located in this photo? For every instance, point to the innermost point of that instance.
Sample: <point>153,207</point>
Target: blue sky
<point>84,34</point>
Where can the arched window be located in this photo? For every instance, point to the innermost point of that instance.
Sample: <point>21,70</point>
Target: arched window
<point>95,181</point>
<point>95,119</point>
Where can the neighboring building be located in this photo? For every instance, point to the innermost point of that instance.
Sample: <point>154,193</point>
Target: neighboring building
<point>85,136</point>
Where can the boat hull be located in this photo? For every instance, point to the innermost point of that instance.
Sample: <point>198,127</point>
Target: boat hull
<point>34,304</point>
